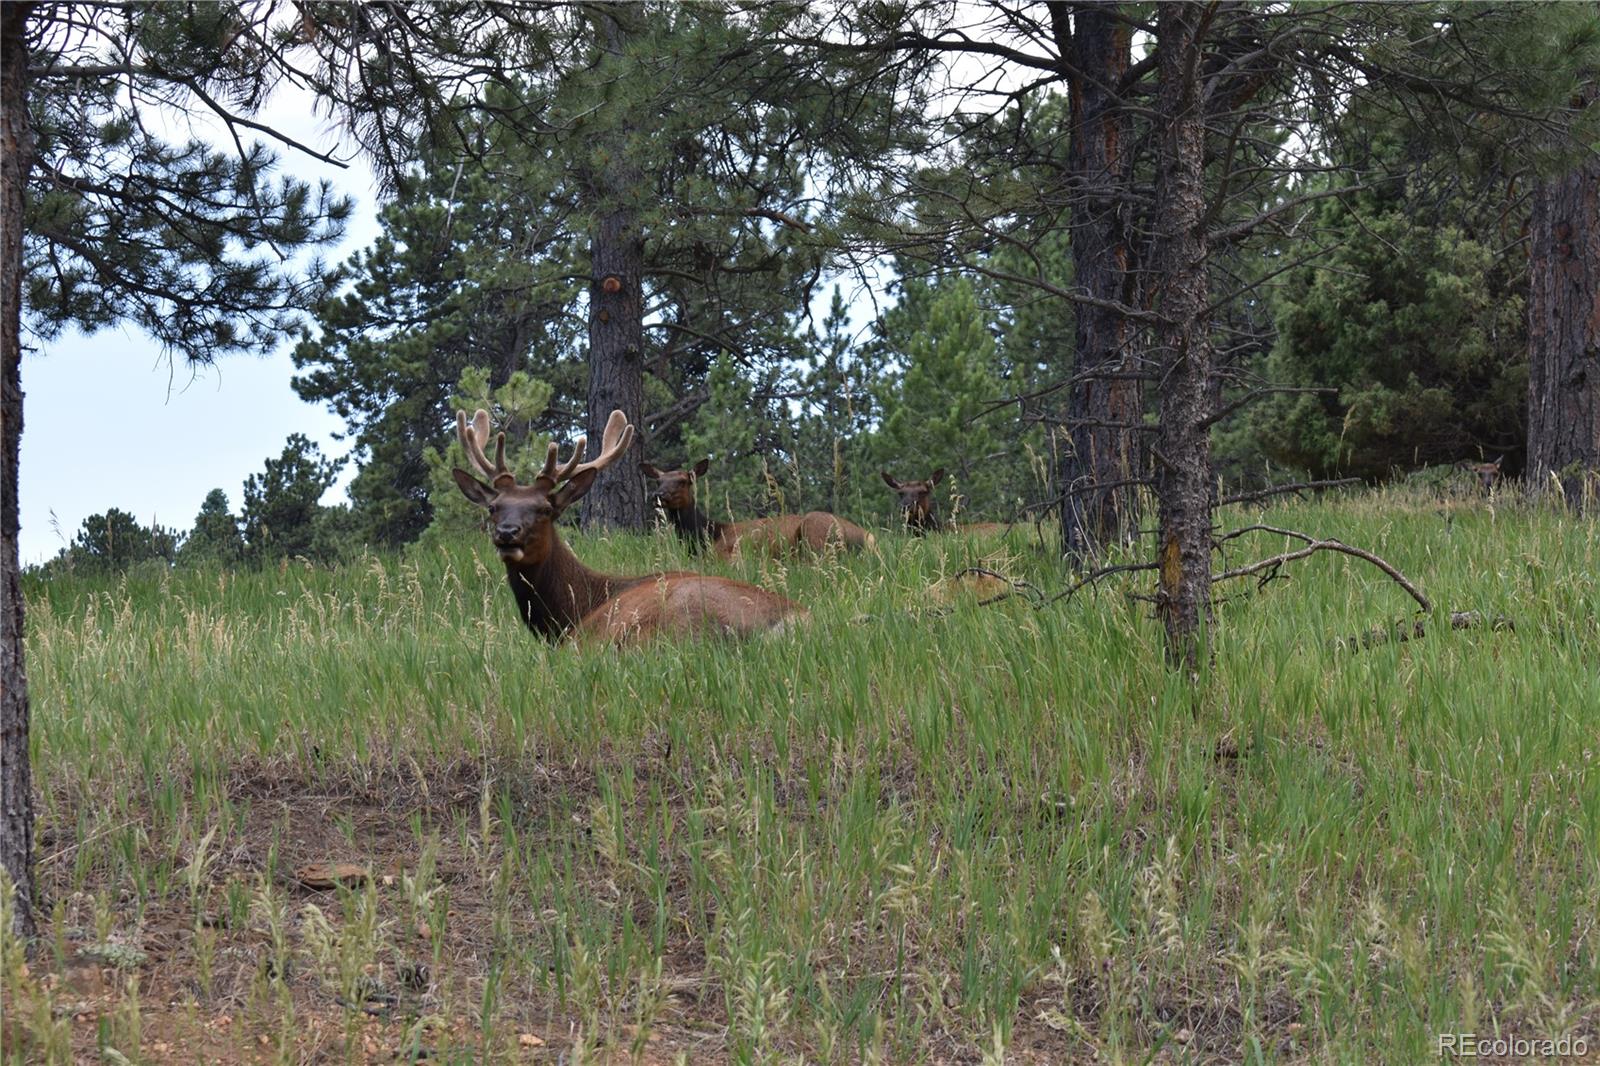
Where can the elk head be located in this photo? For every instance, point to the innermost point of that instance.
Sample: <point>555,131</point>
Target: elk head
<point>522,518</point>
<point>675,488</point>
<point>1488,473</point>
<point>916,500</point>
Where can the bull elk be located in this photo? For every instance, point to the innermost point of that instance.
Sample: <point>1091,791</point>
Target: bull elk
<point>557,595</point>
<point>920,513</point>
<point>811,533</point>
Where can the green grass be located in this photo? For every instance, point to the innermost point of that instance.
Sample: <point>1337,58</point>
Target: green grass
<point>899,834</point>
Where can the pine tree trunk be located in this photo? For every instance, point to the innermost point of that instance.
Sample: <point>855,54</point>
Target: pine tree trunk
<point>1564,334</point>
<point>616,307</point>
<point>1183,347</point>
<point>16,778</point>
<point>1100,452</point>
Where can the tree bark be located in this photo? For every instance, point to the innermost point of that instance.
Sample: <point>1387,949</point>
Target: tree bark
<point>16,778</point>
<point>616,303</point>
<point>1564,333</point>
<point>1099,453</point>
<point>1183,347</point>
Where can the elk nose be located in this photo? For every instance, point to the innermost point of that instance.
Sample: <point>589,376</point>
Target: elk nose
<point>507,530</point>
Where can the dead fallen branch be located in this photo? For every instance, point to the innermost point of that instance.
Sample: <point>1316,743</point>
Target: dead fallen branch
<point>1312,546</point>
<point>1416,628</point>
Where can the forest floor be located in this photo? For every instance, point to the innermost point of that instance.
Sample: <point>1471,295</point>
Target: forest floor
<point>359,814</point>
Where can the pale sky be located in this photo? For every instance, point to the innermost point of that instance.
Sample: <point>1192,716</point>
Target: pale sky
<point>108,423</point>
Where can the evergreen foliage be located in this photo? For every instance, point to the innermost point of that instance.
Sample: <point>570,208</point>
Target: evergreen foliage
<point>215,536</point>
<point>281,511</point>
<point>114,541</point>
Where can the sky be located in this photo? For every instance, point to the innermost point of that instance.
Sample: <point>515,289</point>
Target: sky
<point>109,422</point>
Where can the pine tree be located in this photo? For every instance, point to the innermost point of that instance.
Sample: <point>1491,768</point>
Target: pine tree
<point>931,406</point>
<point>281,504</point>
<point>104,221</point>
<point>699,215</point>
<point>114,541</point>
<point>215,536</point>
<point>837,415</point>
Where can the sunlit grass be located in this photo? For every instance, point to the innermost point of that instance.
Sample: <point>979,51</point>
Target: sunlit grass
<point>902,826</point>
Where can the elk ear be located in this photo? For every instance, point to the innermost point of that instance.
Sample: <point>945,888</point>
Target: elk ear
<point>701,467</point>
<point>649,470</point>
<point>938,476</point>
<point>573,490</point>
<point>473,489</point>
<point>891,482</point>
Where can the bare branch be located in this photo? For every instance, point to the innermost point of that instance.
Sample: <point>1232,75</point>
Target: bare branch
<point>1312,546</point>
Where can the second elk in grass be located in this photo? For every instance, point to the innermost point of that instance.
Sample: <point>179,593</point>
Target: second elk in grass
<point>812,533</point>
<point>557,595</point>
<point>920,512</point>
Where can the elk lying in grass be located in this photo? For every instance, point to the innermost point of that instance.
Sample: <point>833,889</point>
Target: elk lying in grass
<point>920,513</point>
<point>557,595</point>
<point>1488,474</point>
<point>811,533</point>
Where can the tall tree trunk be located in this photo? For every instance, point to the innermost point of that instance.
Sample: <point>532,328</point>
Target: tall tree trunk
<point>616,301</point>
<point>1183,347</point>
<point>1097,504</point>
<point>16,778</point>
<point>1564,333</point>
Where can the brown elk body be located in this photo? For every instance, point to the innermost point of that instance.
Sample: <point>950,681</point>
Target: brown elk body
<point>812,533</point>
<point>921,514</point>
<point>558,596</point>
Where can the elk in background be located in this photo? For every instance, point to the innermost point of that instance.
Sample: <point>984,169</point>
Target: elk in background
<point>920,513</point>
<point>557,595</point>
<point>1488,474</point>
<point>811,533</point>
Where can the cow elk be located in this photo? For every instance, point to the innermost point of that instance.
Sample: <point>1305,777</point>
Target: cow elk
<point>920,513</point>
<point>557,595</point>
<point>812,533</point>
<point>1488,474</point>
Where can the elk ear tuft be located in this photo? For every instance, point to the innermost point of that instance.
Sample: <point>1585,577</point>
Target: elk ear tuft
<point>938,476</point>
<point>891,482</point>
<point>473,489</point>
<point>649,470</point>
<point>701,467</point>
<point>573,490</point>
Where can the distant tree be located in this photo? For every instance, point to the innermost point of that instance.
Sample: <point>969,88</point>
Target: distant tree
<point>837,415</point>
<point>281,504</point>
<point>215,536</point>
<point>931,402</point>
<point>114,541</point>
